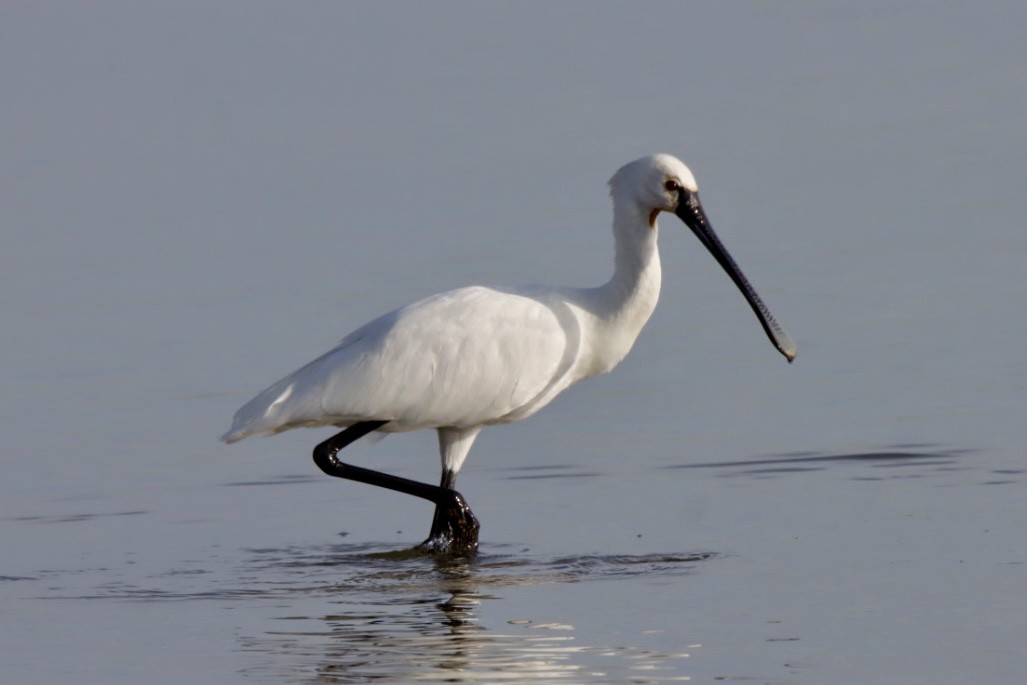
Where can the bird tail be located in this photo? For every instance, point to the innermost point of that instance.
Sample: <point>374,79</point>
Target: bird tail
<point>266,414</point>
<point>234,435</point>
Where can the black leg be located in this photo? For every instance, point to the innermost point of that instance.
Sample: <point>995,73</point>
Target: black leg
<point>454,529</point>
<point>324,457</point>
<point>448,479</point>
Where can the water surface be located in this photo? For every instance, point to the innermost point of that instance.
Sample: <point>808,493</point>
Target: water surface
<point>197,199</point>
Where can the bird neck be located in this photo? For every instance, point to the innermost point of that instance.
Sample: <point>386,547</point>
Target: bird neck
<point>626,301</point>
<point>635,285</point>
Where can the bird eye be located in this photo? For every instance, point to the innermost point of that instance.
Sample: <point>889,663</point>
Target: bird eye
<point>672,185</point>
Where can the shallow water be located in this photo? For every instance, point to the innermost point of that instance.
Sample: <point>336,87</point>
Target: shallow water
<point>196,200</point>
<point>790,568</point>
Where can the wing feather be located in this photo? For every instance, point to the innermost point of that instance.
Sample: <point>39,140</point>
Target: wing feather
<point>465,357</point>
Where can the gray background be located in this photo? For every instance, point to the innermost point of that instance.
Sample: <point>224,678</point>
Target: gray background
<point>197,198</point>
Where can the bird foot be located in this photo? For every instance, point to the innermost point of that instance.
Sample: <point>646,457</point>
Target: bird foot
<point>454,529</point>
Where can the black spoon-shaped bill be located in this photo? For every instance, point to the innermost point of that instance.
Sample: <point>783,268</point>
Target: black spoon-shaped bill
<point>690,211</point>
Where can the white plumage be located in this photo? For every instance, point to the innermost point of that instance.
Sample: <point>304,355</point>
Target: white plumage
<point>453,359</point>
<point>477,356</point>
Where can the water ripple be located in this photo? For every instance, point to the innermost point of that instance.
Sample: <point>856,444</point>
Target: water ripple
<point>905,461</point>
<point>349,613</point>
<point>415,619</point>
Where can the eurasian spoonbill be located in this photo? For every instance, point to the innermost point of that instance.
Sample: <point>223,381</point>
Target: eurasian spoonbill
<point>478,356</point>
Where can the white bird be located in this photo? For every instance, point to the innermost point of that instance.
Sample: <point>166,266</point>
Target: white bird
<point>477,356</point>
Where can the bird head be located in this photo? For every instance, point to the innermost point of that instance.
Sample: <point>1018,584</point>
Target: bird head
<point>662,183</point>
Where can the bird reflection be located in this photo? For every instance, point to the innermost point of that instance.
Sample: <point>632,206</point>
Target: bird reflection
<point>417,619</point>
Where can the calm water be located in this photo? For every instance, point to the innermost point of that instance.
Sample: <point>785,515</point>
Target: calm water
<point>197,199</point>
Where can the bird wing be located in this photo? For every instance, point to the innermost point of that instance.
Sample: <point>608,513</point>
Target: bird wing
<point>462,358</point>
